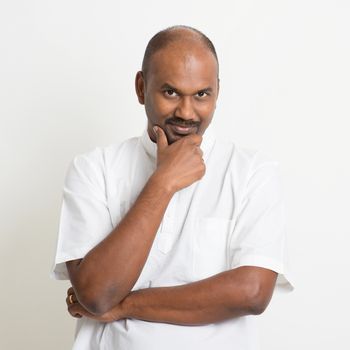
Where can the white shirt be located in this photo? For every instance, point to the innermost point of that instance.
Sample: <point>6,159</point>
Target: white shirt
<point>233,216</point>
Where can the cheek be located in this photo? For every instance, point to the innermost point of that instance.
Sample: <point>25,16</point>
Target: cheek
<point>206,114</point>
<point>151,108</point>
<point>206,111</point>
<point>160,107</point>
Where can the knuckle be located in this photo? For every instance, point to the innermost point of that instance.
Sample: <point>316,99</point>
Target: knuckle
<point>185,140</point>
<point>192,139</point>
<point>197,138</point>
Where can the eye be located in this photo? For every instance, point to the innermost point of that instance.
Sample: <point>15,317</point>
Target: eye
<point>170,93</point>
<point>202,94</point>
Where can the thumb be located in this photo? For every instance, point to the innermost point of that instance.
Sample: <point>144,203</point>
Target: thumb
<point>162,141</point>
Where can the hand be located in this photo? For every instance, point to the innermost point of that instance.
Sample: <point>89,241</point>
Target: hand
<point>77,310</point>
<point>180,164</point>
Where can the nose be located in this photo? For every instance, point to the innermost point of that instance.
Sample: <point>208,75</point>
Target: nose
<point>185,109</point>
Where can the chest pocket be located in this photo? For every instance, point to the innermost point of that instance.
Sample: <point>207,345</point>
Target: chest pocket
<point>211,246</point>
<point>166,236</point>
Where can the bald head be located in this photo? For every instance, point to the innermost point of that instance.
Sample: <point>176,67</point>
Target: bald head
<point>184,37</point>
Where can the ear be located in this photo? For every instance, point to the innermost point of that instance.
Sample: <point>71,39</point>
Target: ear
<point>140,87</point>
<point>217,91</point>
<point>218,88</point>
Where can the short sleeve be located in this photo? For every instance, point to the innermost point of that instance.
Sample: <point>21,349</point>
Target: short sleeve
<point>85,218</point>
<point>259,235</point>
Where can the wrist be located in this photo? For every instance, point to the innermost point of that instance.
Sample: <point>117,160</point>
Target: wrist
<point>161,182</point>
<point>126,306</point>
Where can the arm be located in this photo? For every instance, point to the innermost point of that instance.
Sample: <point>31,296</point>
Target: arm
<point>238,292</point>
<point>109,271</point>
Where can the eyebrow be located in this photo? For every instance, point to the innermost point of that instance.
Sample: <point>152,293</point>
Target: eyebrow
<point>168,86</point>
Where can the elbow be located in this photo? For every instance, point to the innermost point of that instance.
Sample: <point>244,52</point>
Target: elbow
<point>251,290</point>
<point>97,302</point>
<point>96,295</point>
<point>93,305</point>
<point>257,300</point>
<point>257,307</point>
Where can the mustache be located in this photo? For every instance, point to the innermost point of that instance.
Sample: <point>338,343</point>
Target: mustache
<point>182,122</point>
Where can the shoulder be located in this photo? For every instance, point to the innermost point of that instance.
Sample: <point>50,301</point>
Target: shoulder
<point>241,159</point>
<point>120,152</point>
<point>99,156</point>
<point>244,166</point>
<point>92,165</point>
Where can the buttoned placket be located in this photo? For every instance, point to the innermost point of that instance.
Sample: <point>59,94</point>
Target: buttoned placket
<point>167,228</point>
<point>167,234</point>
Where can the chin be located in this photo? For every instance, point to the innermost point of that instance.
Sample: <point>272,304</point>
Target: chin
<point>173,138</point>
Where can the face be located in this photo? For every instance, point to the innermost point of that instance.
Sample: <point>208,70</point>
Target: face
<point>179,91</point>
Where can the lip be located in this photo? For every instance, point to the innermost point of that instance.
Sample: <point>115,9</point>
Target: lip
<point>183,130</point>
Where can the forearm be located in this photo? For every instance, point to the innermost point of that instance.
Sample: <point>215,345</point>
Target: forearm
<point>226,295</point>
<point>109,271</point>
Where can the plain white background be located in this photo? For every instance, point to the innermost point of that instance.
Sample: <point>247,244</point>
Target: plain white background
<point>67,85</point>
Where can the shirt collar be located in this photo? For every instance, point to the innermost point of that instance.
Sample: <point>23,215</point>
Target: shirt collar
<point>151,147</point>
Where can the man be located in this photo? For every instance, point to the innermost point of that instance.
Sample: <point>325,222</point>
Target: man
<point>172,240</point>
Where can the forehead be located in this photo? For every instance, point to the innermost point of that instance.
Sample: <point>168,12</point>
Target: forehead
<point>183,67</point>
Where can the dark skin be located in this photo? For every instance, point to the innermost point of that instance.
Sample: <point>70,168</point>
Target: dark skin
<point>180,90</point>
<point>179,94</point>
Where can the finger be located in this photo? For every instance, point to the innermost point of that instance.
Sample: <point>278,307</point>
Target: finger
<point>200,152</point>
<point>195,139</point>
<point>75,311</point>
<point>76,315</point>
<point>162,141</point>
<point>71,299</point>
